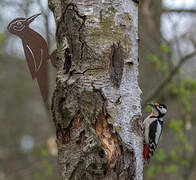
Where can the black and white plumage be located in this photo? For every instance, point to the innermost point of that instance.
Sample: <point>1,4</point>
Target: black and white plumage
<point>153,127</point>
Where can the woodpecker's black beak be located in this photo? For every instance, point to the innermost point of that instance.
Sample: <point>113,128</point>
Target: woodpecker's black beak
<point>152,105</point>
<point>32,18</point>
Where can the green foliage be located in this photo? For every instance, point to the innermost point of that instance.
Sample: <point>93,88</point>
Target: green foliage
<point>162,67</point>
<point>160,155</point>
<point>37,176</point>
<point>164,48</point>
<point>176,125</point>
<point>48,168</point>
<point>153,170</point>
<point>149,108</point>
<point>181,92</point>
<point>44,152</point>
<point>171,169</point>
<point>185,163</point>
<point>184,92</point>
<point>173,155</point>
<point>2,41</point>
<point>2,38</point>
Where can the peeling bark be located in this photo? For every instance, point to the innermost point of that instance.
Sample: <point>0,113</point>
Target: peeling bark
<point>96,105</point>
<point>108,139</point>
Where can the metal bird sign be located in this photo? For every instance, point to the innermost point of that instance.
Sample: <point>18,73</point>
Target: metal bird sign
<point>35,49</point>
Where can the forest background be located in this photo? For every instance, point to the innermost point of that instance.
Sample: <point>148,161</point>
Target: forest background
<point>167,74</point>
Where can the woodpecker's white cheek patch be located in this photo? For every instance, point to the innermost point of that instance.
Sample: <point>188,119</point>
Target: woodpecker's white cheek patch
<point>162,110</point>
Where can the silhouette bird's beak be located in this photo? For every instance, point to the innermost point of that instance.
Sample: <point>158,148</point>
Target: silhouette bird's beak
<point>32,18</point>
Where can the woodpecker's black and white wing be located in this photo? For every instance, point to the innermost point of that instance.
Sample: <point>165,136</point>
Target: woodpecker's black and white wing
<point>155,131</point>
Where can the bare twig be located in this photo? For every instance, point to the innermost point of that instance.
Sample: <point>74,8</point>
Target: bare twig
<point>165,10</point>
<point>160,88</point>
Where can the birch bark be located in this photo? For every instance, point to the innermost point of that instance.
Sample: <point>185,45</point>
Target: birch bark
<point>96,105</point>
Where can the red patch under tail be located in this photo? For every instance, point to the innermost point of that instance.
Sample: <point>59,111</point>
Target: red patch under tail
<point>146,151</point>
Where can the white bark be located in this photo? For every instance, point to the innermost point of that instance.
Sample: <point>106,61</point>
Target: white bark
<point>106,58</point>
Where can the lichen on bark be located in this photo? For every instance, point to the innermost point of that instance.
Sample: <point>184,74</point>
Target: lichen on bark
<point>96,104</point>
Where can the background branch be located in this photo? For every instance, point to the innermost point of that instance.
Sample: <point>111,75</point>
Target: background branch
<point>160,88</point>
<point>165,10</point>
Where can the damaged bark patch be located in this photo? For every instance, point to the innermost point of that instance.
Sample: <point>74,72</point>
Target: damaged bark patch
<point>67,64</point>
<point>108,141</point>
<point>64,134</point>
<point>74,24</point>
<point>116,65</point>
<point>77,123</point>
<point>82,139</point>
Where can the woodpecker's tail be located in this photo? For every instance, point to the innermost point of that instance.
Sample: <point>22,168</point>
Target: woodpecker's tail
<point>53,58</point>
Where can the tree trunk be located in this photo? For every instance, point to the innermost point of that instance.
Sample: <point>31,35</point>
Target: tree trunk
<point>96,105</point>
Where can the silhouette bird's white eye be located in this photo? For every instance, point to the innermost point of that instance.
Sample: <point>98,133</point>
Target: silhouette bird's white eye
<point>19,23</point>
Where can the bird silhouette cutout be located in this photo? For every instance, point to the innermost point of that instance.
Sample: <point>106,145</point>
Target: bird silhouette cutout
<point>35,49</point>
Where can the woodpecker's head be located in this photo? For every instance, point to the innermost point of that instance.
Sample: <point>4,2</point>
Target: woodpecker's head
<point>158,109</point>
<point>18,25</point>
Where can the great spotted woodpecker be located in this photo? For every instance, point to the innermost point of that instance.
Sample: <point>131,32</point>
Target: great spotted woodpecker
<point>153,127</point>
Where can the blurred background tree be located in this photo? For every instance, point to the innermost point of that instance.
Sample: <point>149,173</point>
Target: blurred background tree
<point>167,75</point>
<point>27,144</point>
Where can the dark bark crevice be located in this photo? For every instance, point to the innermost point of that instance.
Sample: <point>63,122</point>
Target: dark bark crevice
<point>74,23</point>
<point>116,65</point>
<point>67,64</point>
